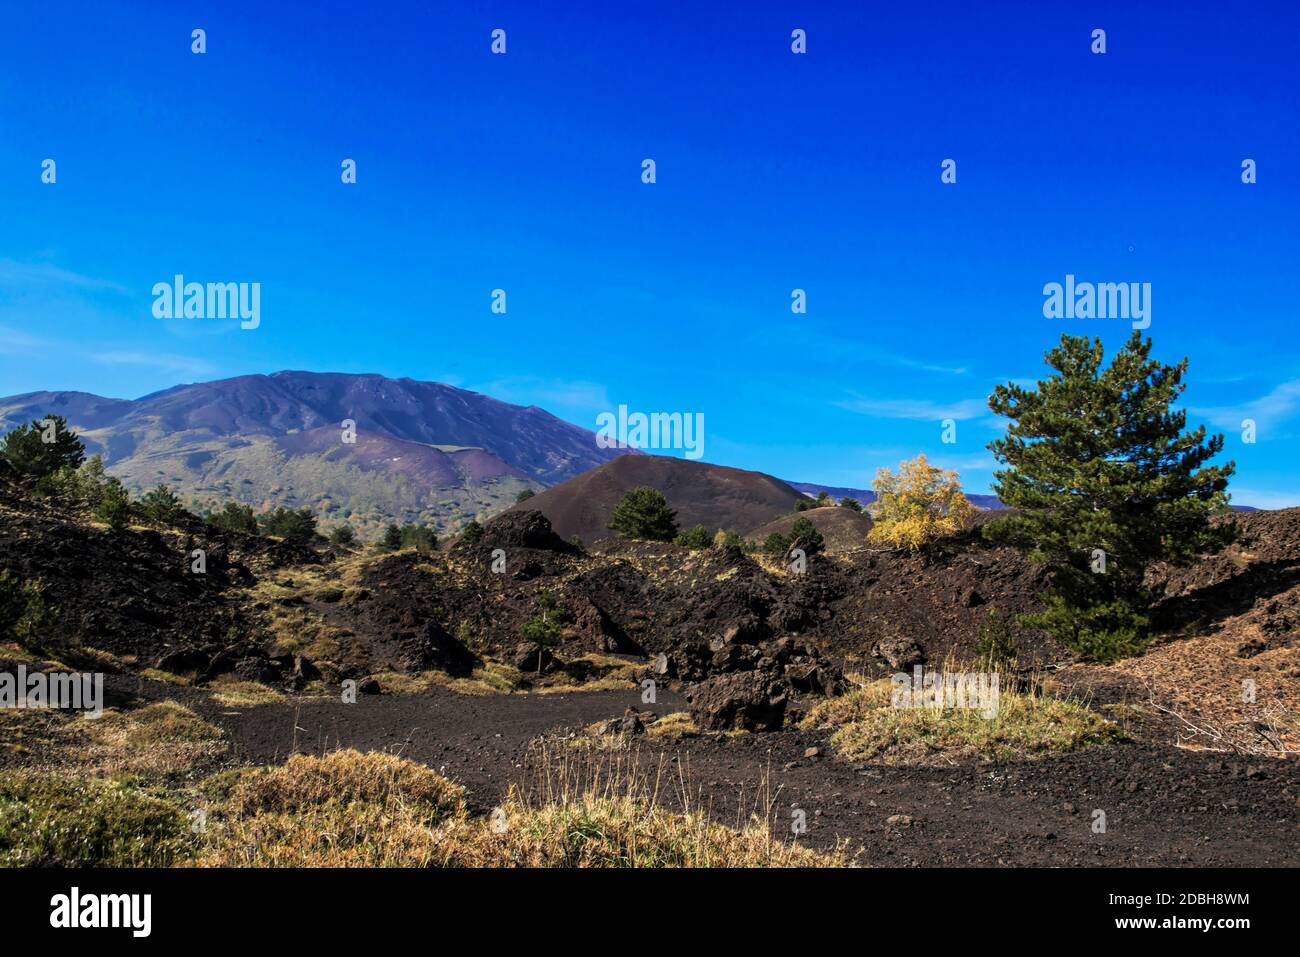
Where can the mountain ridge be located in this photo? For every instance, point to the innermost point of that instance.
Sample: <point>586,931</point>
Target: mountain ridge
<point>423,452</point>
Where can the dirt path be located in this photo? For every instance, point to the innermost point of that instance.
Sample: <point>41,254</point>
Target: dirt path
<point>1163,806</point>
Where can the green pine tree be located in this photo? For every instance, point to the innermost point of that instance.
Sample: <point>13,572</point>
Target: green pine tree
<point>234,517</point>
<point>543,629</point>
<point>161,504</point>
<point>114,505</point>
<point>42,448</point>
<point>1105,482</point>
<point>643,513</point>
<point>293,525</point>
<point>804,534</point>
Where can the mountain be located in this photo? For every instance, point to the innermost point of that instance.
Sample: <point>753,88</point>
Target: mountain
<point>424,451</point>
<point>712,495</point>
<point>866,496</point>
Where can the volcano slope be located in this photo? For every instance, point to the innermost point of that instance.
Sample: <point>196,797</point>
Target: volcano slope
<point>763,679</point>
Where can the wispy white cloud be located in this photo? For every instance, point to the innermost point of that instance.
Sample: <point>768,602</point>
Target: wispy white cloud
<point>547,393</point>
<point>908,363</point>
<point>969,463</point>
<point>18,276</point>
<point>919,410</point>
<point>165,362</point>
<point>15,342</point>
<point>846,348</point>
<point>1277,406</point>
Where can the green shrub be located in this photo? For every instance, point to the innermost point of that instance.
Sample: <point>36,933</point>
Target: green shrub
<point>1101,630</point>
<point>83,485</point>
<point>114,505</point>
<point>293,525</point>
<point>234,517</point>
<point>24,615</point>
<point>993,645</point>
<point>695,538</point>
<point>52,821</point>
<point>776,544</point>
<point>543,629</point>
<point>161,505</point>
<point>418,537</point>
<point>804,534</point>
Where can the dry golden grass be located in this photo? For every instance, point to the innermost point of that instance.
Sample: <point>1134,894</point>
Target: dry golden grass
<point>494,677</point>
<point>95,659</point>
<point>1027,723</point>
<point>157,742</point>
<point>673,727</point>
<point>1197,685</point>
<point>157,674</point>
<point>345,809</point>
<point>593,831</point>
<point>12,651</point>
<point>596,807</point>
<point>56,820</point>
<point>231,692</point>
<point>670,728</point>
<point>614,674</point>
<point>353,809</point>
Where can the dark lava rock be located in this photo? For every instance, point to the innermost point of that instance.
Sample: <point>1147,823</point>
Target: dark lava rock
<point>1251,647</point>
<point>520,529</point>
<point>898,652</point>
<point>526,658</point>
<point>632,722</point>
<point>747,700</point>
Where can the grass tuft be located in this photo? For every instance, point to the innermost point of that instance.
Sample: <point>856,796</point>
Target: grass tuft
<point>49,820</point>
<point>353,809</point>
<point>1027,723</point>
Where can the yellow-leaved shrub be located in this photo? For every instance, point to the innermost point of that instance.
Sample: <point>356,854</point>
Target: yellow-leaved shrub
<point>917,505</point>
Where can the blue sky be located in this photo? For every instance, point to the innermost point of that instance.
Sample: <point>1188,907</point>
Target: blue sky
<point>775,171</point>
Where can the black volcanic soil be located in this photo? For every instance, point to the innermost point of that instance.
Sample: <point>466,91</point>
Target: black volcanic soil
<point>1235,615</point>
<point>132,590</point>
<point>1163,806</point>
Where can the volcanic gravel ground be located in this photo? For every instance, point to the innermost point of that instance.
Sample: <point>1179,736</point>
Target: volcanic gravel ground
<point>1163,805</point>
